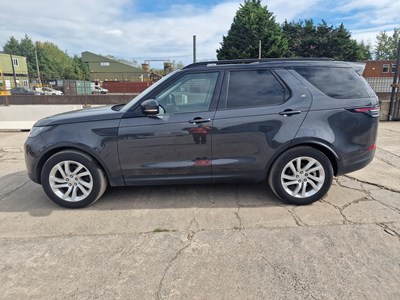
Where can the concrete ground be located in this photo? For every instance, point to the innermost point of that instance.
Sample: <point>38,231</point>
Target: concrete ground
<point>229,241</point>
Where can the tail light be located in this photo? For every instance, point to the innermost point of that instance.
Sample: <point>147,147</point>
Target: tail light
<point>372,111</point>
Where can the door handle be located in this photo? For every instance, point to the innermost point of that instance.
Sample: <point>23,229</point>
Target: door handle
<point>199,121</point>
<point>289,112</point>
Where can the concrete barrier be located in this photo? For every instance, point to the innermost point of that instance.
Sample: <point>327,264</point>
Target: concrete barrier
<point>21,112</point>
<point>67,100</point>
<point>22,117</point>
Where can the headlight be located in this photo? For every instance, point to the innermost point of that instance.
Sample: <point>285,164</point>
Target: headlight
<point>37,130</point>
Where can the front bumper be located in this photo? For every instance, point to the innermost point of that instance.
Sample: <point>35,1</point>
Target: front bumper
<point>33,149</point>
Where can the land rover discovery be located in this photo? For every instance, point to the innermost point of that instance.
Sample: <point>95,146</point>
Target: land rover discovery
<point>291,123</point>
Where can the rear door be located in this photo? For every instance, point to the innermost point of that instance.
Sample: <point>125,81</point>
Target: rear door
<point>259,114</point>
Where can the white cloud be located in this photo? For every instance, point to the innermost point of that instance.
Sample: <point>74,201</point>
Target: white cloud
<point>369,35</point>
<point>371,12</point>
<point>288,10</point>
<point>104,28</point>
<point>114,32</point>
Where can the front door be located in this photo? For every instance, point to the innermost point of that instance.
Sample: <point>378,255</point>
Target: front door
<point>174,145</point>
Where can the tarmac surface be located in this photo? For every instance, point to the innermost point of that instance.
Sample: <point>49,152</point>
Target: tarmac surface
<point>231,241</point>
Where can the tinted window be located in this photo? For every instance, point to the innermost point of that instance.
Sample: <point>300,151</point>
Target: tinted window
<point>191,93</point>
<point>340,83</point>
<point>254,88</point>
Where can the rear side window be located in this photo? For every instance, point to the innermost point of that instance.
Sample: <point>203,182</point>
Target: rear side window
<point>339,83</point>
<point>254,88</point>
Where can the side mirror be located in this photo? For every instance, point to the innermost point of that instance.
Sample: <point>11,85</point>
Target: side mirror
<point>150,107</point>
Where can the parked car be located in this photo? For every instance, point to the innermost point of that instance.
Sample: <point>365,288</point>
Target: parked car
<point>22,91</point>
<point>99,90</point>
<point>294,123</point>
<point>51,91</point>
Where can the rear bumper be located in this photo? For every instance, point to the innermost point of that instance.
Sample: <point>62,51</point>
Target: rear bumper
<point>355,163</point>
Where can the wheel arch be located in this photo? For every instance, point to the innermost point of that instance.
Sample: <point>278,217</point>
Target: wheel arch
<point>58,149</point>
<point>325,149</point>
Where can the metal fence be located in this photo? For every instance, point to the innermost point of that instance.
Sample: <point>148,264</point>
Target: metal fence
<point>388,91</point>
<point>380,84</point>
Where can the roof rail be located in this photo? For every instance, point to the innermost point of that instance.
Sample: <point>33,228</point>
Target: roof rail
<point>252,61</point>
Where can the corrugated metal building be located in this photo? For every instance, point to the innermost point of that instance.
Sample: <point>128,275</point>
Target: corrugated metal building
<point>105,69</point>
<point>7,71</point>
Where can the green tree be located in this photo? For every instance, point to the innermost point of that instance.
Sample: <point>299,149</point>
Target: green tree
<point>178,65</point>
<point>11,46</point>
<point>27,49</point>
<point>80,69</point>
<point>53,62</point>
<point>364,51</point>
<point>302,38</point>
<point>306,39</point>
<point>341,46</point>
<point>252,23</point>
<point>386,46</point>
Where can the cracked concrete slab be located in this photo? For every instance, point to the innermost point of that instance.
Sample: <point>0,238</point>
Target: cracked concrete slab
<point>107,267</point>
<point>266,217</point>
<point>346,262</point>
<point>352,184</point>
<point>367,211</point>
<point>380,173</point>
<point>319,213</point>
<point>229,241</point>
<point>386,197</point>
<point>322,264</point>
<point>339,196</point>
<point>214,218</point>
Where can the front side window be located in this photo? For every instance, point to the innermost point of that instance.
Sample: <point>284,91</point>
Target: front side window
<point>254,88</point>
<point>393,68</point>
<point>191,93</point>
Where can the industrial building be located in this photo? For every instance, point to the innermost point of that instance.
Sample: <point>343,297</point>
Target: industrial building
<point>13,71</point>
<point>102,69</point>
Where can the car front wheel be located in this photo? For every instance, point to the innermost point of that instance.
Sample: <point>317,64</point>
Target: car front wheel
<point>301,175</point>
<point>73,179</point>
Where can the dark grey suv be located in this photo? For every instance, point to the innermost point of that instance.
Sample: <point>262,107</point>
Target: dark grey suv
<point>294,123</point>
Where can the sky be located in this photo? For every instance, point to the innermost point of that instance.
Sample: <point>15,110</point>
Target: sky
<point>164,29</point>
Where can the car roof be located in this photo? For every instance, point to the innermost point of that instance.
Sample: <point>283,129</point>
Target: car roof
<point>268,62</point>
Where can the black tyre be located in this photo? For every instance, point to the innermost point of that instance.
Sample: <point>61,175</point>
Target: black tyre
<point>73,179</point>
<point>301,175</point>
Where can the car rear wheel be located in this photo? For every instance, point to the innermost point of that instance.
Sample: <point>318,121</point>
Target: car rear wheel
<point>73,179</point>
<point>301,175</point>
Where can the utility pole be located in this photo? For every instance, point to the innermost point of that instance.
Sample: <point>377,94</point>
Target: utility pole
<point>259,49</point>
<point>395,82</point>
<point>37,68</point>
<point>194,48</point>
<point>13,68</point>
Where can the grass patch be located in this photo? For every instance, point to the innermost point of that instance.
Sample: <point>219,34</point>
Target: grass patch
<point>162,230</point>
